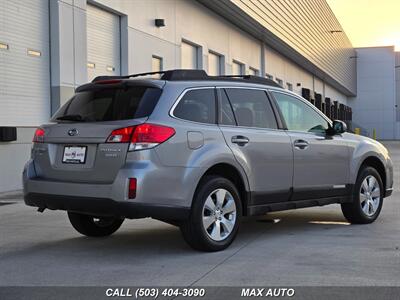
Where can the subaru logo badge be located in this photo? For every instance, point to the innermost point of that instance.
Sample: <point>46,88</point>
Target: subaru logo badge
<point>72,132</point>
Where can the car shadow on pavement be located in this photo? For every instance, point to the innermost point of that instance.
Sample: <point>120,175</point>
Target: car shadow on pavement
<point>161,239</point>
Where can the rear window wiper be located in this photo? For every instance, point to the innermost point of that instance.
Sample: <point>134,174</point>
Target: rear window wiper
<point>72,118</point>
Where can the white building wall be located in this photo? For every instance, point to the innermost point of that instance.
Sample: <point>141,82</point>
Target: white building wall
<point>204,28</point>
<point>318,86</point>
<point>13,156</point>
<point>140,57</point>
<point>335,95</point>
<point>397,76</point>
<point>374,106</point>
<point>68,48</point>
<point>282,68</point>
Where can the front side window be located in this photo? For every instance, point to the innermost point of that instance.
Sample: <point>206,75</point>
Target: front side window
<point>252,108</point>
<point>298,115</point>
<point>197,106</point>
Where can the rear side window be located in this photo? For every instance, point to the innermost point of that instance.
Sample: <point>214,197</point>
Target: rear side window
<point>197,106</point>
<point>110,104</point>
<point>252,108</point>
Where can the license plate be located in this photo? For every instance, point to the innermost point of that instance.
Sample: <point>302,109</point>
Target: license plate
<point>74,154</point>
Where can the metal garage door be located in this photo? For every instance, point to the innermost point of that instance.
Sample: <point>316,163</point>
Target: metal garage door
<point>214,64</point>
<point>189,58</point>
<point>24,62</point>
<point>103,44</point>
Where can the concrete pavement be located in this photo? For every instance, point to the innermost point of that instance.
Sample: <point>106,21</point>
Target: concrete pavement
<point>314,246</point>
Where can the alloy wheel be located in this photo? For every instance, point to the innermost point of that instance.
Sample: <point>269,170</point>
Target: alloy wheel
<point>219,214</point>
<point>370,195</point>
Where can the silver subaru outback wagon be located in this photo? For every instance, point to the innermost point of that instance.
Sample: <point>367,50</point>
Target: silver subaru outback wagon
<point>199,152</point>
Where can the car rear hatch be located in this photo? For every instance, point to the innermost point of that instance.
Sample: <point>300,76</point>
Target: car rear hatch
<point>74,148</point>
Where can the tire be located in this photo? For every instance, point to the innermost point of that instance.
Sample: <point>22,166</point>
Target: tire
<point>367,200</point>
<point>94,226</point>
<point>212,226</point>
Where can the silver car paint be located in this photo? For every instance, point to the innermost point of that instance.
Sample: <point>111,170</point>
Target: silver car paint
<point>363,147</point>
<point>169,173</point>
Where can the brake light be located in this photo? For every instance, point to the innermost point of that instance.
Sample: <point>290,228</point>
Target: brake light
<point>144,136</point>
<point>39,136</point>
<point>122,135</point>
<point>132,188</point>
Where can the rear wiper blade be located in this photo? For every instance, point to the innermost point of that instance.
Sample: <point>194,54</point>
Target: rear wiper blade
<point>72,118</point>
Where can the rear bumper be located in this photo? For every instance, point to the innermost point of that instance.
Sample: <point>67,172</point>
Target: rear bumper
<point>162,192</point>
<point>106,207</point>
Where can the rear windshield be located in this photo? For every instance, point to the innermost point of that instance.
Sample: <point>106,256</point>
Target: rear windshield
<point>109,104</point>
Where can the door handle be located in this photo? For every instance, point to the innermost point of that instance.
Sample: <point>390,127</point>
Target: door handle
<point>301,144</point>
<point>240,140</point>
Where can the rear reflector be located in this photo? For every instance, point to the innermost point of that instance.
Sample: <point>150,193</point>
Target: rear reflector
<point>132,188</point>
<point>143,136</point>
<point>39,136</point>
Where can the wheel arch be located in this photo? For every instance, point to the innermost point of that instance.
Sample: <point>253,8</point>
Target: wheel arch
<point>233,174</point>
<point>377,164</point>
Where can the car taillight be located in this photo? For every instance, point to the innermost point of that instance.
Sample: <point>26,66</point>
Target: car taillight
<point>144,136</point>
<point>39,136</point>
<point>122,135</point>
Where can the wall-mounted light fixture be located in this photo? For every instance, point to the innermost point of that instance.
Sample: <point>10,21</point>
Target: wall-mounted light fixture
<point>35,53</point>
<point>91,65</point>
<point>110,68</point>
<point>159,22</point>
<point>4,46</point>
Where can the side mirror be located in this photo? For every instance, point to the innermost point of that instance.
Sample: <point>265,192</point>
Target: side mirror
<point>338,127</point>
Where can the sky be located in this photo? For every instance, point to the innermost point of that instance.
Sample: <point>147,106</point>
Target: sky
<point>369,22</point>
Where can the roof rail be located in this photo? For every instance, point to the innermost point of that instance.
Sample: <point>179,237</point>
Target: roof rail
<point>173,75</point>
<point>108,77</point>
<point>183,74</point>
<point>189,74</point>
<point>252,79</point>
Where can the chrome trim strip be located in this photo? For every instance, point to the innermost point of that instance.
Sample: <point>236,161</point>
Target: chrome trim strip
<point>339,186</point>
<point>266,89</point>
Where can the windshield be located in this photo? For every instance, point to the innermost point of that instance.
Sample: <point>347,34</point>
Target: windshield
<point>109,104</point>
